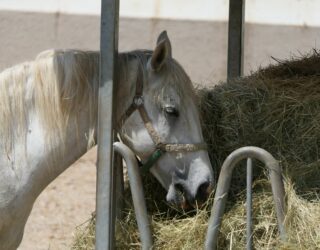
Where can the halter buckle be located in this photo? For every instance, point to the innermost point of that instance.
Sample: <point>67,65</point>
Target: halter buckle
<point>161,146</point>
<point>138,100</point>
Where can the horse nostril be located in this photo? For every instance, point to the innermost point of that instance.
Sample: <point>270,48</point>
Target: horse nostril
<point>203,192</point>
<point>185,199</point>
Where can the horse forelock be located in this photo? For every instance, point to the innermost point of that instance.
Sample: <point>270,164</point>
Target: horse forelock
<point>179,80</point>
<point>174,76</point>
<point>175,80</point>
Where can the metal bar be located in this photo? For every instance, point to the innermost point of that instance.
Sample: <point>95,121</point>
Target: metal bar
<point>119,199</point>
<point>224,184</point>
<point>105,175</point>
<point>249,204</point>
<point>139,203</point>
<point>235,38</point>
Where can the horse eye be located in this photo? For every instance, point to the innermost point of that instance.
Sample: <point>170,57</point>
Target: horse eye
<point>172,111</point>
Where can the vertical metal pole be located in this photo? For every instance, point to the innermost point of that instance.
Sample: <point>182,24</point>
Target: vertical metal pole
<point>119,202</point>
<point>235,38</point>
<point>249,204</point>
<point>105,176</point>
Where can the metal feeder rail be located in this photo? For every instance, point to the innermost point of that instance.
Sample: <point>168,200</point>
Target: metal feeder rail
<point>137,192</point>
<point>224,184</point>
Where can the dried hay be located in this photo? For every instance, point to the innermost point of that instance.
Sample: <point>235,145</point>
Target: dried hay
<point>276,108</point>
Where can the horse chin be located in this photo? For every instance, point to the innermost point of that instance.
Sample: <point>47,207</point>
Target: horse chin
<point>187,206</point>
<point>182,203</point>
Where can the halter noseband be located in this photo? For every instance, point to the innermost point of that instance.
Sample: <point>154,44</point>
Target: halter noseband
<point>161,147</point>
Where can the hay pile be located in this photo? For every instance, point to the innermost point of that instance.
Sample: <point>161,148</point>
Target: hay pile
<point>276,108</point>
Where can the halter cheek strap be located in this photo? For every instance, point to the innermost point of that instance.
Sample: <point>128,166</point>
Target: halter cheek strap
<point>161,147</point>
<point>153,158</point>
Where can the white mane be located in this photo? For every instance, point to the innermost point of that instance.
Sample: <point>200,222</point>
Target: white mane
<point>56,85</point>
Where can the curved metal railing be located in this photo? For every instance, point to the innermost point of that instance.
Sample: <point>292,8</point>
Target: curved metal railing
<point>220,196</point>
<point>137,192</point>
<point>224,184</point>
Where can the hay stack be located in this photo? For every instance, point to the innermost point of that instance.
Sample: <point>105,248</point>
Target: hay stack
<point>276,108</point>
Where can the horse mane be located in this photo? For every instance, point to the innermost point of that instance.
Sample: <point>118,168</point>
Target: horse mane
<point>57,84</point>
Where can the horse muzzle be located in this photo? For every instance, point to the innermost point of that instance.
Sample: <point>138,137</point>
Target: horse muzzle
<point>189,196</point>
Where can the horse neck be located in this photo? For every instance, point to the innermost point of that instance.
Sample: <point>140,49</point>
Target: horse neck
<point>75,144</point>
<point>48,163</point>
<point>48,156</point>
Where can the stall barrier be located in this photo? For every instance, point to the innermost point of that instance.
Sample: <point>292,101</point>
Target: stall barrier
<point>224,184</point>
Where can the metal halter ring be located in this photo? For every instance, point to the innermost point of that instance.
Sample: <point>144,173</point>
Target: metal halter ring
<point>138,100</point>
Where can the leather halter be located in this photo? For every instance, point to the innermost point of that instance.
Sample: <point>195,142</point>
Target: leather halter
<point>161,147</point>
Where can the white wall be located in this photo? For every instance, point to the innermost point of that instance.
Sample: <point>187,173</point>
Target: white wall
<point>285,12</point>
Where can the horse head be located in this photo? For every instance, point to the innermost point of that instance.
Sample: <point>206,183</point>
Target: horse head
<point>162,125</point>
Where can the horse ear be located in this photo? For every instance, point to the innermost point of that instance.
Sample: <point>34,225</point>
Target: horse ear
<point>162,51</point>
<point>164,37</point>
